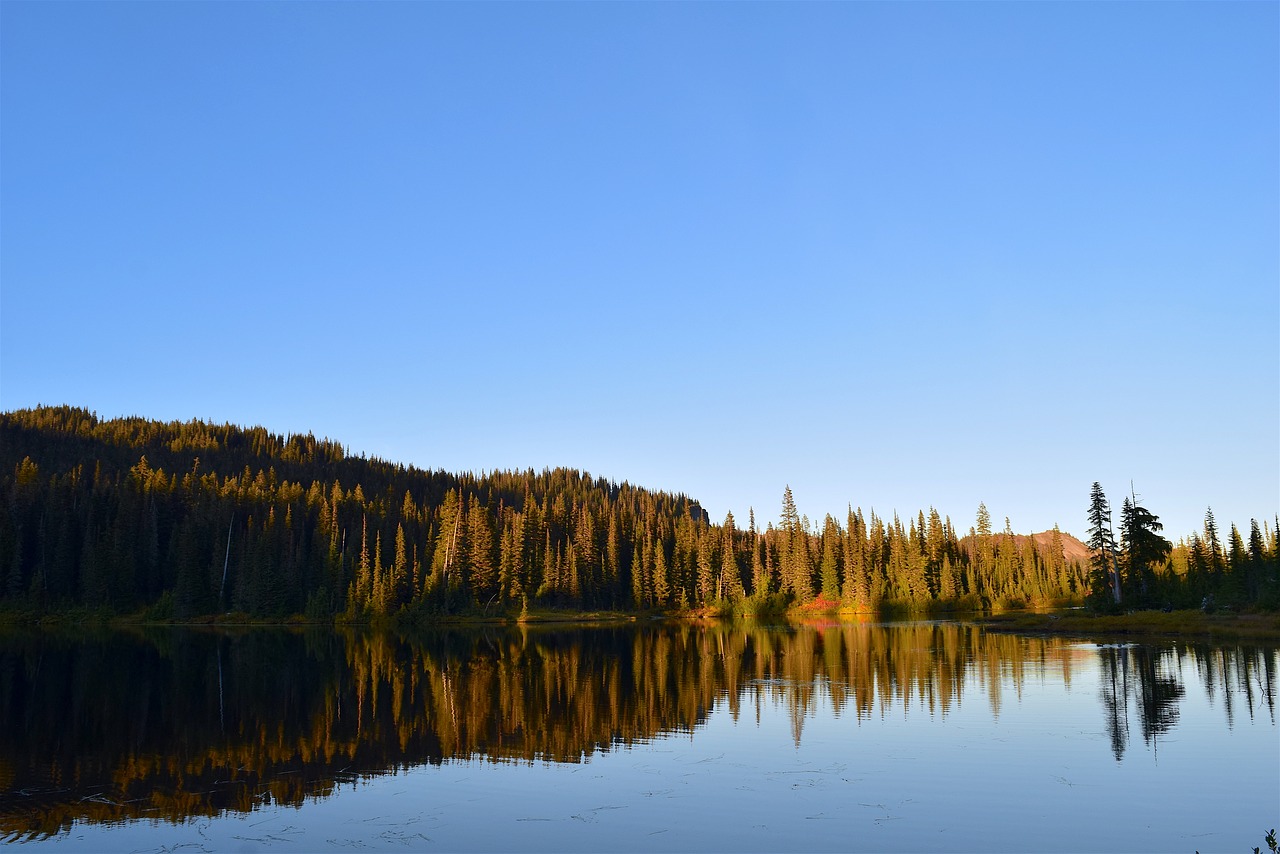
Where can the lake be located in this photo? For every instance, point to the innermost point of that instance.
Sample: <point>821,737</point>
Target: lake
<point>652,736</point>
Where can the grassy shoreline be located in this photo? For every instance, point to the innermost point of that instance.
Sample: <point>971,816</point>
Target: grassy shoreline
<point>236,619</point>
<point>1136,624</point>
<point>1140,624</point>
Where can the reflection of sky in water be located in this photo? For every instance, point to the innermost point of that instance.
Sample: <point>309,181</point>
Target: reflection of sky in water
<point>1040,775</point>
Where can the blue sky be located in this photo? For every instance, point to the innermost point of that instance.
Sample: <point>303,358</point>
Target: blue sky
<point>894,255</point>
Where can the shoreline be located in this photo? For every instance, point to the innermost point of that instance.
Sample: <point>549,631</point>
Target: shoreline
<point>1190,624</point>
<point>1135,624</point>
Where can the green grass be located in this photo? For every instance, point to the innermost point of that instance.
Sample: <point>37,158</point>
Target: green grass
<point>1260,626</point>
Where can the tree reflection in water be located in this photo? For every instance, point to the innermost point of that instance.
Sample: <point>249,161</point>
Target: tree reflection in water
<point>179,724</point>
<point>1150,679</point>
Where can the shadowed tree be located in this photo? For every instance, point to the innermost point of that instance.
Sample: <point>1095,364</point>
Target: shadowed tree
<point>1102,544</point>
<point>1142,545</point>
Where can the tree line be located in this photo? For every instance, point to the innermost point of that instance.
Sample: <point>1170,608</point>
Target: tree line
<point>191,518</point>
<point>1142,569</point>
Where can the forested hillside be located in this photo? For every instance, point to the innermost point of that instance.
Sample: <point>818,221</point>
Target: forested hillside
<point>192,518</point>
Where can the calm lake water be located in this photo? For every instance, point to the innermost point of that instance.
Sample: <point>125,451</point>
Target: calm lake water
<point>648,737</point>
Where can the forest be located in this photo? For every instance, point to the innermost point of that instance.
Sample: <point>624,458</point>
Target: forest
<point>177,520</point>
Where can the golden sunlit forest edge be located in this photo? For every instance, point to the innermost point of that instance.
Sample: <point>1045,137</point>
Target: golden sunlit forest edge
<point>160,522</point>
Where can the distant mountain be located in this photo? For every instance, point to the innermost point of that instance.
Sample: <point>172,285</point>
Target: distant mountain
<point>1072,549</point>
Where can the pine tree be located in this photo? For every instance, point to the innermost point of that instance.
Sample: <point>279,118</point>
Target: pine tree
<point>730,581</point>
<point>612,561</point>
<point>1213,543</point>
<point>759,570</point>
<point>708,591</point>
<point>661,585</point>
<point>381,593</point>
<point>984,551</point>
<point>795,552</point>
<point>399,586</point>
<point>585,552</point>
<point>508,554</point>
<point>1102,544</point>
<point>877,555</point>
<point>446,564</point>
<point>1142,546</point>
<point>913,564</point>
<point>640,571</point>
<point>481,561</point>
<point>829,570</point>
<point>935,547</point>
<point>857,583</point>
<point>947,583</point>
<point>364,573</point>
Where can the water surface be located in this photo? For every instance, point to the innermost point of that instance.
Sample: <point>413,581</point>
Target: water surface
<point>656,737</point>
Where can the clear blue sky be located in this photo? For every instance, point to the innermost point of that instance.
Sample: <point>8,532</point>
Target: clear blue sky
<point>896,255</point>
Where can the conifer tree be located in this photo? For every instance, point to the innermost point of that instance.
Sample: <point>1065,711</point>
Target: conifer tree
<point>857,583</point>
<point>612,560</point>
<point>759,566</point>
<point>445,566</point>
<point>948,587</point>
<point>640,570</point>
<point>364,573</point>
<point>481,561</point>
<point>1213,543</point>
<point>399,586</point>
<point>1102,544</point>
<point>984,551</point>
<point>1142,546</point>
<point>661,585</point>
<point>708,591</point>
<point>829,570</point>
<point>795,568</point>
<point>381,594</point>
<point>730,581</point>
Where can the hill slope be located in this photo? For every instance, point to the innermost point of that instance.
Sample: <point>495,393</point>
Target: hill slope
<point>195,518</point>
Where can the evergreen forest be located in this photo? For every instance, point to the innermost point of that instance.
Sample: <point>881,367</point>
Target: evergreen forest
<point>177,520</point>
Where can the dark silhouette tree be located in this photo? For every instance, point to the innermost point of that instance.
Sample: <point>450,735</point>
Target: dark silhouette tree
<point>1142,547</point>
<point>1102,545</point>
